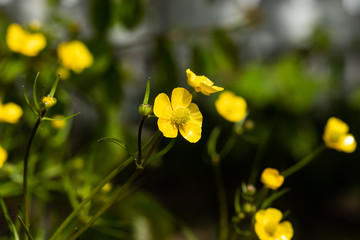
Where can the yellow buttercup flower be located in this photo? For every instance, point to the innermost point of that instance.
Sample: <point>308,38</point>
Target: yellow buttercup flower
<point>3,156</point>
<point>24,42</point>
<point>269,227</point>
<point>75,55</point>
<point>10,112</point>
<point>48,102</point>
<point>178,115</point>
<point>271,178</point>
<point>58,123</point>
<point>231,107</point>
<point>201,83</point>
<point>336,136</point>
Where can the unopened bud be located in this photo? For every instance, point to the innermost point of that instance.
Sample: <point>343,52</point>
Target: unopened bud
<point>249,208</point>
<point>48,102</point>
<point>145,109</point>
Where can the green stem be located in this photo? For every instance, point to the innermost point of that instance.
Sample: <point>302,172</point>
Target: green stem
<point>223,208</point>
<point>139,162</point>
<point>228,145</point>
<point>94,192</point>
<point>108,204</point>
<point>303,162</point>
<point>25,175</point>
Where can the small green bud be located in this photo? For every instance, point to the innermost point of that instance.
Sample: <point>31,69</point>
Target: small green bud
<point>249,208</point>
<point>250,189</point>
<point>145,109</point>
<point>48,102</point>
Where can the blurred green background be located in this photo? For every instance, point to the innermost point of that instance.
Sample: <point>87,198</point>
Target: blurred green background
<point>296,62</point>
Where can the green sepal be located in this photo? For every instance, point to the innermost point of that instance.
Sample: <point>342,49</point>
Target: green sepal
<point>273,197</point>
<point>163,151</point>
<point>118,142</point>
<point>147,92</point>
<point>63,118</point>
<point>28,102</point>
<point>8,219</point>
<point>53,89</point>
<point>37,107</point>
<point>25,228</point>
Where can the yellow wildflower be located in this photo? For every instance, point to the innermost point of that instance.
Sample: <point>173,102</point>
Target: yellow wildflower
<point>3,156</point>
<point>10,112</point>
<point>24,42</point>
<point>48,102</point>
<point>179,114</point>
<point>269,227</point>
<point>271,178</point>
<point>201,83</point>
<point>75,55</point>
<point>231,107</point>
<point>336,136</point>
<point>58,123</point>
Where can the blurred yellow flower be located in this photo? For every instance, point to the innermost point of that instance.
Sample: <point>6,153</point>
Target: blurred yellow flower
<point>179,114</point>
<point>3,156</point>
<point>24,42</point>
<point>336,136</point>
<point>271,178</point>
<point>201,83</point>
<point>231,107</point>
<point>75,55</point>
<point>58,123</point>
<point>269,227</point>
<point>48,102</point>
<point>10,112</point>
<point>63,72</point>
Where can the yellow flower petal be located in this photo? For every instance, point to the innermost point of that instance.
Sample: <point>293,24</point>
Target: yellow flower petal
<point>168,129</point>
<point>336,136</point>
<point>270,214</point>
<point>14,37</point>
<point>3,156</point>
<point>33,44</point>
<point>201,83</point>
<point>180,97</point>
<point>231,107</point>
<point>191,131</point>
<point>162,106</point>
<point>75,55</point>
<point>284,231</point>
<point>271,178</point>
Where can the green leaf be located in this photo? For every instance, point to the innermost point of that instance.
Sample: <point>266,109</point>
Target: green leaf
<point>273,197</point>
<point>53,89</point>
<point>8,219</point>
<point>25,228</point>
<point>37,107</point>
<point>147,92</point>
<point>162,152</point>
<point>28,102</point>
<point>63,118</point>
<point>118,142</point>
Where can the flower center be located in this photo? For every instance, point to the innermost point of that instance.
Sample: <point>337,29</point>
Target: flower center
<point>180,116</point>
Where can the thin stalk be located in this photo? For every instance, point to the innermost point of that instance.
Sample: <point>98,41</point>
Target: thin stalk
<point>25,175</point>
<point>229,144</point>
<point>95,191</point>
<point>303,162</point>
<point>223,208</point>
<point>108,204</point>
<point>139,139</point>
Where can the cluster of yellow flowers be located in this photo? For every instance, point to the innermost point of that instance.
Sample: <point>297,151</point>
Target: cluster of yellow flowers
<point>180,114</point>
<point>24,42</point>
<point>73,55</point>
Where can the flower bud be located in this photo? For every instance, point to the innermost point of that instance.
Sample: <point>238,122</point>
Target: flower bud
<point>145,109</point>
<point>249,208</point>
<point>48,102</point>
